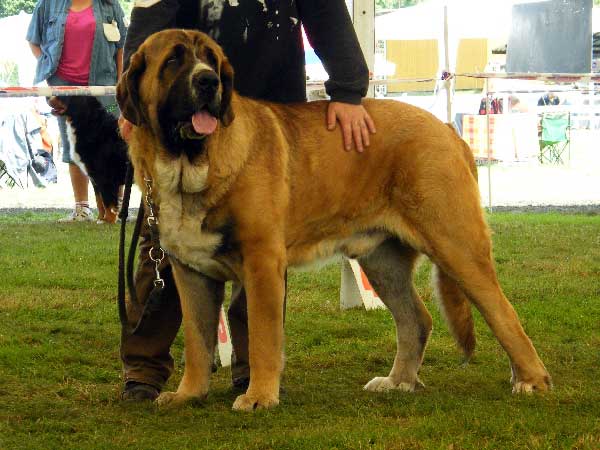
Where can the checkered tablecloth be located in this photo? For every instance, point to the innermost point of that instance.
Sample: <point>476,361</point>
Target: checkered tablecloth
<point>512,137</point>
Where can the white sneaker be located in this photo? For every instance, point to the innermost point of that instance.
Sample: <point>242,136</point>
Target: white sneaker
<point>80,214</point>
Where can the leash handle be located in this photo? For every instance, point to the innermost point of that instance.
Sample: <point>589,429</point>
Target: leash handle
<point>121,278</point>
<point>145,325</point>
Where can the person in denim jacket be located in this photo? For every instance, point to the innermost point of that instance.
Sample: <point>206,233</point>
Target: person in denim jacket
<point>78,43</point>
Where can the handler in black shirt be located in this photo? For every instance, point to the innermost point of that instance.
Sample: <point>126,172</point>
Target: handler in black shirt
<point>263,41</point>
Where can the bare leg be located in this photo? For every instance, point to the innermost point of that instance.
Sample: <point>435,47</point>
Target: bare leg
<point>79,182</point>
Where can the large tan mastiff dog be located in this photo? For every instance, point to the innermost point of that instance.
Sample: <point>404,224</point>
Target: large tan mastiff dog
<point>247,188</point>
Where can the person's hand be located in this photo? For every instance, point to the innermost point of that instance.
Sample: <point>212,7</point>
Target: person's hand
<point>125,127</point>
<point>355,122</point>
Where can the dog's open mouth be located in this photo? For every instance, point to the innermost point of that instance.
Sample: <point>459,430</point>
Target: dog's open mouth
<point>58,107</point>
<point>201,124</point>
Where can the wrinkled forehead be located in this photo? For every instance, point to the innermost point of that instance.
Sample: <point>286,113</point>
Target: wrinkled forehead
<point>159,44</point>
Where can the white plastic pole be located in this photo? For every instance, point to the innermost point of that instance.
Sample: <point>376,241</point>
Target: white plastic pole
<point>448,81</point>
<point>224,340</point>
<point>364,25</point>
<point>355,289</point>
<point>488,141</point>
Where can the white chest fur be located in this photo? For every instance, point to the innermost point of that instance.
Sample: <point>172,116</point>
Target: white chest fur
<point>72,137</point>
<point>179,185</point>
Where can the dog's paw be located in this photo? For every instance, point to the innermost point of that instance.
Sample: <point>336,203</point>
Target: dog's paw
<point>522,387</point>
<point>539,381</point>
<point>173,399</point>
<point>385,384</point>
<point>250,402</point>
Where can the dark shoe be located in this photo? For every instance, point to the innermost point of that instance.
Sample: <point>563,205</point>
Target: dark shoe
<point>240,384</point>
<point>139,392</point>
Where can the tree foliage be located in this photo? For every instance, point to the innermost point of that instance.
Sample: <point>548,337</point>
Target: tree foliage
<point>127,6</point>
<point>13,7</point>
<point>394,4</point>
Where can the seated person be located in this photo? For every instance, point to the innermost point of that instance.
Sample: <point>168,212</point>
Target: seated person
<point>515,105</point>
<point>548,99</point>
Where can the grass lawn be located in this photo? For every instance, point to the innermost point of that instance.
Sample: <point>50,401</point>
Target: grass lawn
<point>60,368</point>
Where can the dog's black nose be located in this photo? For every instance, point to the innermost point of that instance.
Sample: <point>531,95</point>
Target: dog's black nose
<point>207,81</point>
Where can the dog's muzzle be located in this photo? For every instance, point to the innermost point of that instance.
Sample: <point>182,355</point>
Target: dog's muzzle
<point>205,88</point>
<point>206,84</point>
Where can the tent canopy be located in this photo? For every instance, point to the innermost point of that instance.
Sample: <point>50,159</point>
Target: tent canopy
<point>466,19</point>
<point>15,48</point>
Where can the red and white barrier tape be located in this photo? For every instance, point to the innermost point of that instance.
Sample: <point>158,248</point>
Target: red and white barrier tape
<point>97,91</point>
<point>556,77</point>
<point>49,91</point>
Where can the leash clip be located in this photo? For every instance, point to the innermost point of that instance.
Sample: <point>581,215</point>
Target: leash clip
<point>157,257</point>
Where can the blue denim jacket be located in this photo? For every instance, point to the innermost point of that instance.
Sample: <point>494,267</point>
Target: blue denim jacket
<point>47,29</point>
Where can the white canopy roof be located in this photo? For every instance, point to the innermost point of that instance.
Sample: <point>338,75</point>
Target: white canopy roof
<point>466,19</point>
<point>15,48</point>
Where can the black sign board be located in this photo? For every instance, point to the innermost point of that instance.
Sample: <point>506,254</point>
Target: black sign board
<point>552,36</point>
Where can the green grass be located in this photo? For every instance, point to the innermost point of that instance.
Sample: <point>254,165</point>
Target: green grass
<point>60,368</point>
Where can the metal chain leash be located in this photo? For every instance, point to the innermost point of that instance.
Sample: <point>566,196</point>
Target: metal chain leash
<point>156,253</point>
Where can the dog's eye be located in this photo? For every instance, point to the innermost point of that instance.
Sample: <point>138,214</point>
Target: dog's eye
<point>176,57</point>
<point>211,58</point>
<point>171,63</point>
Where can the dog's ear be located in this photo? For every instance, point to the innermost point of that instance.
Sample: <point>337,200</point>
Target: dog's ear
<point>226,75</point>
<point>128,89</point>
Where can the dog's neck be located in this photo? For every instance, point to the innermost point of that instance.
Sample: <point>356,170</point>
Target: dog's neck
<point>209,174</point>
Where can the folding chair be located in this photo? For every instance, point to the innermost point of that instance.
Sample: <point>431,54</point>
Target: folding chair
<point>555,137</point>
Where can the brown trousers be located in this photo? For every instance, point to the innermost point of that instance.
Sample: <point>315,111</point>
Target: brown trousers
<point>147,359</point>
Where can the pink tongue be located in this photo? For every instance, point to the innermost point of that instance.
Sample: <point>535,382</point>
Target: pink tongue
<point>204,123</point>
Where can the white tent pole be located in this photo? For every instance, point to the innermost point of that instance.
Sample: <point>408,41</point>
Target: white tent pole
<point>488,141</point>
<point>364,24</point>
<point>448,81</point>
<point>363,12</point>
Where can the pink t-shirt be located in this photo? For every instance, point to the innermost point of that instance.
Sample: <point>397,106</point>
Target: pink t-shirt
<point>74,64</point>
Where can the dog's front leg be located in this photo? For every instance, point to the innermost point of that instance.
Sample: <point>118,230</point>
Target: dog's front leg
<point>201,299</point>
<point>264,283</point>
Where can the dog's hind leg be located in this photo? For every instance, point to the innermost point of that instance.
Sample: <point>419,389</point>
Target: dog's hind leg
<point>390,268</point>
<point>460,246</point>
<point>99,202</point>
<point>201,299</point>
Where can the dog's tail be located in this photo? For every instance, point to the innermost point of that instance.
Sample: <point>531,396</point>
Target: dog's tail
<point>456,309</point>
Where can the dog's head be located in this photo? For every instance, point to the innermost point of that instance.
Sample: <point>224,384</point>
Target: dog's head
<point>179,85</point>
<point>72,106</point>
<point>57,104</point>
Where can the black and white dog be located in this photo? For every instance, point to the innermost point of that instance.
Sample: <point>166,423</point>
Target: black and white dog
<point>96,147</point>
